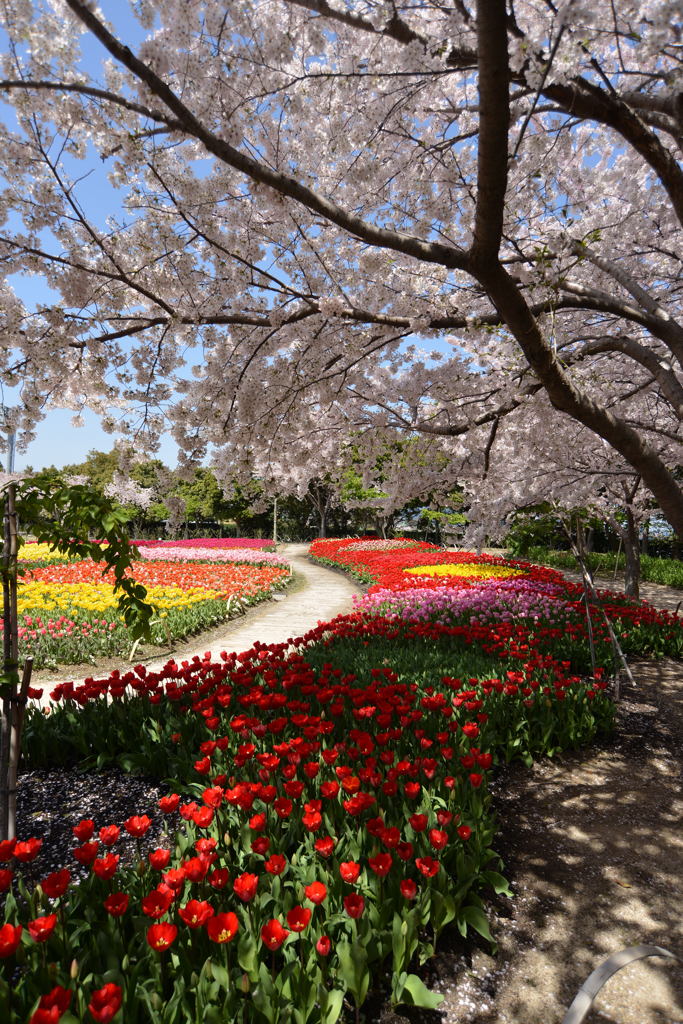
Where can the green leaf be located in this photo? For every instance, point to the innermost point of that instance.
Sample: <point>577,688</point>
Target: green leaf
<point>247,955</point>
<point>497,882</point>
<point>353,969</point>
<point>398,941</point>
<point>263,996</point>
<point>416,993</point>
<point>220,975</point>
<point>331,1002</point>
<point>476,919</point>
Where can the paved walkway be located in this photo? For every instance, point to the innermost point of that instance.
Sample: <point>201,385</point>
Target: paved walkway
<point>323,594</point>
<point>318,595</point>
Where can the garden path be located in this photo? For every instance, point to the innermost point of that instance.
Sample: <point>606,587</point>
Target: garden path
<point>321,594</point>
<point>318,595</point>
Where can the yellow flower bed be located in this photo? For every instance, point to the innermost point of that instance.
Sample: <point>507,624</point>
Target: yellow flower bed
<point>64,598</point>
<point>469,569</point>
<point>33,552</point>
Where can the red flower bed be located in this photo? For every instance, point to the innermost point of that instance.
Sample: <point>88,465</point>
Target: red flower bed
<point>387,568</point>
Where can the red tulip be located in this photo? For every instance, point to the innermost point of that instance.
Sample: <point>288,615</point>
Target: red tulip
<point>437,838</point>
<point>10,937</point>
<point>276,864</point>
<point>316,892</point>
<point>105,1003</point>
<point>273,934</point>
<point>7,849</point>
<point>354,904</point>
<point>116,904</point>
<point>56,884</point>
<point>324,846</point>
<point>52,1006</point>
<point>105,867</point>
<point>213,796</point>
<point>222,927</point>
<point>298,918</point>
<point>349,871</point>
<point>156,904</point>
<point>84,830</point>
<point>41,928</point>
<point>428,866</point>
<point>283,807</point>
<point>245,887</point>
<point>408,889</point>
<point>381,864</point>
<point>203,816</point>
<point>28,850</point>
<point>109,834</point>
<point>159,859</point>
<point>195,914</point>
<point>87,853</point>
<point>195,868</point>
<point>219,878</point>
<point>169,804</point>
<point>174,879</point>
<point>137,825</point>
<point>161,935</point>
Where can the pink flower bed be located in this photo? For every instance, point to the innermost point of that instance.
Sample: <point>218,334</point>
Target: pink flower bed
<point>208,542</point>
<point>250,556</point>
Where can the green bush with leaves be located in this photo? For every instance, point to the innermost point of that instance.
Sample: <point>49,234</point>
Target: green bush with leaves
<point>667,571</point>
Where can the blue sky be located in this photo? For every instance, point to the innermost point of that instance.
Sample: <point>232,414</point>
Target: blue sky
<point>57,441</point>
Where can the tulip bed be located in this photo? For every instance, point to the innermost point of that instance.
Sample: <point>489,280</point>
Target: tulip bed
<point>68,613</point>
<point>327,816</point>
<point>429,584</point>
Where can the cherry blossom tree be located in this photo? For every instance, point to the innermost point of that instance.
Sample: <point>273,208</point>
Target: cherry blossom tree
<point>350,219</point>
<point>567,466</point>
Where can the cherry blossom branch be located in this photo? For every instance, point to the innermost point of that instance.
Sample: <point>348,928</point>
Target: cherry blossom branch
<point>38,85</point>
<point>410,245</point>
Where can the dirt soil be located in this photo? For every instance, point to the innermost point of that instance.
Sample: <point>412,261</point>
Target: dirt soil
<point>593,846</point>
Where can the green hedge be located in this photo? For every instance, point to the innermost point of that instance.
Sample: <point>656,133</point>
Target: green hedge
<point>668,571</point>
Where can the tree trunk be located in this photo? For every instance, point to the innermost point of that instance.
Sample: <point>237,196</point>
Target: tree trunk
<point>645,540</point>
<point>580,537</point>
<point>632,551</point>
<point>566,397</point>
<point>322,526</point>
<point>10,680</point>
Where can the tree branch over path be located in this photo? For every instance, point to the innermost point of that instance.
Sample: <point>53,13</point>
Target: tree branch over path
<point>452,216</point>
<point>430,252</point>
